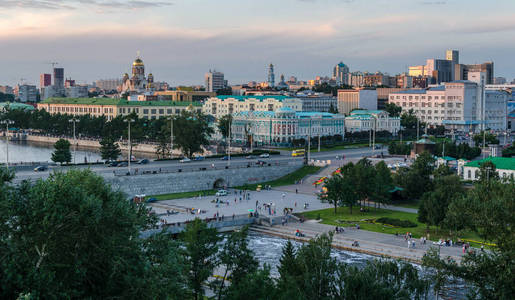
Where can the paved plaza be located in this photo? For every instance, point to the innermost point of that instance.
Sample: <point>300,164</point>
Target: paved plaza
<point>278,200</point>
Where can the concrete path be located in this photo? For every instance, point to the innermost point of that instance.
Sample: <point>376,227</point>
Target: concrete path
<point>369,242</point>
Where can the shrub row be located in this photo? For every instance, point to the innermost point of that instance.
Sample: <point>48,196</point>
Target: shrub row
<point>396,222</point>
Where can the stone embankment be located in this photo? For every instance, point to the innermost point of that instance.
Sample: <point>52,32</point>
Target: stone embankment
<point>88,143</point>
<point>371,243</point>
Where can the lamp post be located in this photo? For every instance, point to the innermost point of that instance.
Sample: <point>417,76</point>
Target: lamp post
<point>229,144</point>
<point>129,121</point>
<point>171,135</point>
<point>74,120</point>
<point>7,123</point>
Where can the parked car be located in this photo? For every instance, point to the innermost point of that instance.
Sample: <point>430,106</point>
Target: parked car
<point>260,162</point>
<point>197,158</point>
<point>185,160</point>
<point>250,157</point>
<point>143,161</point>
<point>221,193</point>
<point>40,168</point>
<point>265,155</point>
<point>123,164</point>
<point>113,164</point>
<point>225,158</point>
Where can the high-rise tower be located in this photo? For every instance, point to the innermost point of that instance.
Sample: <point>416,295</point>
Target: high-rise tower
<point>271,76</point>
<point>340,72</point>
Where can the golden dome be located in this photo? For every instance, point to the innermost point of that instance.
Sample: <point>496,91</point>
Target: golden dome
<point>137,62</point>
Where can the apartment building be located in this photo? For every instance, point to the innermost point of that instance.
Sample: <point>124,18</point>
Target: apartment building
<point>458,105</point>
<point>223,105</point>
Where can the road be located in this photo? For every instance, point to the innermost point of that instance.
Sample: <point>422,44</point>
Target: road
<point>174,166</point>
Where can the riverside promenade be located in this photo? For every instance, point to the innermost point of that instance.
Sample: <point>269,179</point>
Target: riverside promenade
<point>373,243</point>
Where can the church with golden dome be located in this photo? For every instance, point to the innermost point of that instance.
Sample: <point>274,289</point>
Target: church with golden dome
<point>137,82</point>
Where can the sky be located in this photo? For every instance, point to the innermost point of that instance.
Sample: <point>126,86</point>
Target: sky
<point>180,40</point>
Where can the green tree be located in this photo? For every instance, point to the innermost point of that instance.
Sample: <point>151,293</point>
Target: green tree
<point>382,183</point>
<point>71,236</point>
<point>237,259</point>
<point>381,280</point>
<point>191,132</point>
<point>416,180</point>
<point>289,271</point>
<point>200,249</point>
<point>341,188</point>
<point>488,172</point>
<point>62,152</point>
<point>257,285</point>
<point>163,146</point>
<point>363,178</point>
<point>489,138</point>
<point>442,170</point>
<point>223,125</point>
<point>109,149</point>
<point>434,204</point>
<point>393,110</point>
<point>488,211</point>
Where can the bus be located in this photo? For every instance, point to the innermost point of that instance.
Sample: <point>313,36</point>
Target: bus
<point>296,153</point>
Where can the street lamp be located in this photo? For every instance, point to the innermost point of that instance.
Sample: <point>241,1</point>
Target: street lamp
<point>129,121</point>
<point>229,144</point>
<point>74,120</point>
<point>7,123</point>
<point>171,135</point>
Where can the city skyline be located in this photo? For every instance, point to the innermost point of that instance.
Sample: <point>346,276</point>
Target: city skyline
<point>181,40</point>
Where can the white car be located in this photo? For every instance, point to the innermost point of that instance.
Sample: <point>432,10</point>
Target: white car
<point>264,155</point>
<point>185,160</point>
<point>221,193</point>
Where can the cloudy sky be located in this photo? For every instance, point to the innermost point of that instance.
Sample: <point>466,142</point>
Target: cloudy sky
<point>180,40</point>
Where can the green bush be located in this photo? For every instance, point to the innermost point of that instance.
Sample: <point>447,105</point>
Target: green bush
<point>396,222</point>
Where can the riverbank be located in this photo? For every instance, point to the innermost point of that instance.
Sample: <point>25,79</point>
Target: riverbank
<point>88,143</point>
<point>371,243</point>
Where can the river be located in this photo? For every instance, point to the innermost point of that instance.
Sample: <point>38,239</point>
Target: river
<point>35,152</point>
<point>268,250</point>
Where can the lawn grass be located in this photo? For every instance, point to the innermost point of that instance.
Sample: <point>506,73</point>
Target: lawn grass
<point>183,195</point>
<point>289,179</point>
<point>344,218</point>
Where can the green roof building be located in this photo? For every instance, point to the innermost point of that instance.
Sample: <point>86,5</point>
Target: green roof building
<point>111,108</point>
<point>505,167</point>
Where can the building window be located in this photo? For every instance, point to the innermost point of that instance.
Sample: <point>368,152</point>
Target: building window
<point>469,174</point>
<point>161,111</point>
<point>153,111</point>
<point>169,111</point>
<point>145,111</point>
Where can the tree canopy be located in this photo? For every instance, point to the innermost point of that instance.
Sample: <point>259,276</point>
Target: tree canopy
<point>62,152</point>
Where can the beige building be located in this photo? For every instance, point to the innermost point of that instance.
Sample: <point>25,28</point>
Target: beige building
<point>224,105</point>
<point>184,96</point>
<point>350,99</point>
<point>111,108</point>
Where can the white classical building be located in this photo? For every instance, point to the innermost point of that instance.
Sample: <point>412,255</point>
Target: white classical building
<point>505,167</point>
<point>458,105</point>
<point>365,120</point>
<point>223,105</point>
<point>284,125</point>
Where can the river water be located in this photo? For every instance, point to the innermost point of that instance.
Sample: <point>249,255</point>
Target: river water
<point>35,152</point>
<point>268,250</point>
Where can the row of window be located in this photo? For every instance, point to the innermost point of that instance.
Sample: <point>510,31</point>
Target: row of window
<point>424,97</point>
<point>90,110</point>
